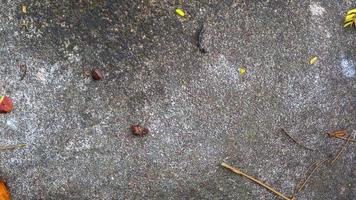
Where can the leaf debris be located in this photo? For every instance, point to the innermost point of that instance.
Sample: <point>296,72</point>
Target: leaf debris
<point>24,9</point>
<point>239,172</point>
<point>180,12</point>
<point>313,60</point>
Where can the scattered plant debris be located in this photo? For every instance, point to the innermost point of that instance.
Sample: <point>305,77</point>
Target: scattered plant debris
<point>311,170</point>
<point>295,140</point>
<point>4,192</point>
<point>239,172</point>
<point>316,165</point>
<point>180,12</point>
<point>6,104</point>
<point>242,70</point>
<point>97,74</point>
<point>139,130</point>
<point>342,149</point>
<point>341,135</point>
<point>313,60</point>
<point>350,18</point>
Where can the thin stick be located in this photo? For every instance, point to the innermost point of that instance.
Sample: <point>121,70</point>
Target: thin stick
<point>239,172</point>
<point>12,147</point>
<point>342,149</point>
<point>307,172</point>
<point>296,141</point>
<point>317,166</point>
<point>344,138</point>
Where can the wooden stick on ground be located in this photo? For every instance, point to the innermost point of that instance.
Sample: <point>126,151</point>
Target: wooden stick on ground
<point>239,172</point>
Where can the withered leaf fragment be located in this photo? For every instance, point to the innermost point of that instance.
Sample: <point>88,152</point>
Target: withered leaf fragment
<point>341,133</point>
<point>139,130</point>
<point>4,192</point>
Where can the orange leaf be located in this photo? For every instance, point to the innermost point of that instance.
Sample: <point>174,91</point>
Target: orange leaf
<point>4,192</point>
<point>342,133</point>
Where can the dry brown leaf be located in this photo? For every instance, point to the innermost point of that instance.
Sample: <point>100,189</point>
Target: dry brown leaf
<point>341,133</point>
<point>4,192</point>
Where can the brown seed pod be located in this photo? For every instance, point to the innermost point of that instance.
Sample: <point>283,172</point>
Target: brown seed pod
<point>139,130</point>
<point>4,192</point>
<point>97,74</point>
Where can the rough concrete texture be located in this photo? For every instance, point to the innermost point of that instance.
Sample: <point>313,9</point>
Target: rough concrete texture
<point>199,109</point>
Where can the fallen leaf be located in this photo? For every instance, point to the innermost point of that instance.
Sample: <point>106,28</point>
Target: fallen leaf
<point>342,133</point>
<point>4,192</point>
<point>242,71</point>
<point>24,9</point>
<point>313,60</point>
<point>350,18</point>
<point>139,130</point>
<point>6,104</point>
<point>180,12</point>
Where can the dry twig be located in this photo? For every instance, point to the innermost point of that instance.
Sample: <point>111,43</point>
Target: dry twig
<point>315,166</point>
<point>296,141</point>
<point>343,138</point>
<point>342,149</point>
<point>239,172</point>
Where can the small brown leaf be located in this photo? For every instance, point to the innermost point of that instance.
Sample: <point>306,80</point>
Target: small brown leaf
<point>341,133</point>
<point>139,130</point>
<point>97,74</point>
<point>6,104</point>
<point>4,192</point>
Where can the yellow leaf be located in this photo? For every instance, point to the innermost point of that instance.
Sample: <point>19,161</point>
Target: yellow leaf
<point>349,18</point>
<point>180,12</point>
<point>348,24</point>
<point>313,60</point>
<point>242,71</point>
<point>351,11</point>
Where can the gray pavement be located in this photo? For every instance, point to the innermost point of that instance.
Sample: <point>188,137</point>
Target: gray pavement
<point>200,110</point>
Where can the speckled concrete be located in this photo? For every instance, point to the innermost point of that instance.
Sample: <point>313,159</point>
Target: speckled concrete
<point>200,110</point>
